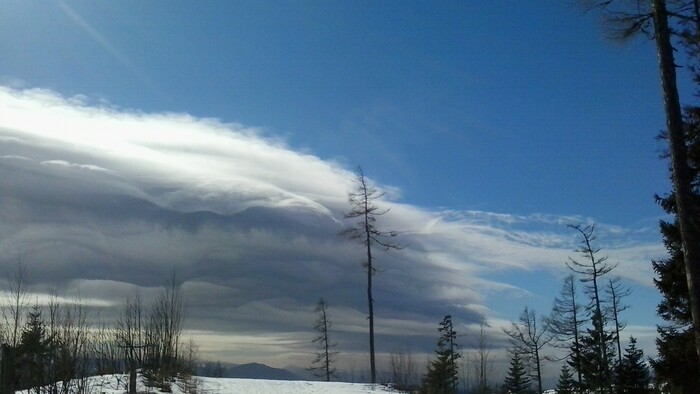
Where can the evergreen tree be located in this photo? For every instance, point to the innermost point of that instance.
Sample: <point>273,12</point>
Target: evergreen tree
<point>517,380</point>
<point>442,376</point>
<point>669,20</point>
<point>596,358</point>
<point>323,363</point>
<point>632,374</point>
<point>596,363</point>
<point>677,363</point>
<point>566,383</point>
<point>616,291</point>
<point>33,354</point>
<point>566,320</point>
<point>529,338</point>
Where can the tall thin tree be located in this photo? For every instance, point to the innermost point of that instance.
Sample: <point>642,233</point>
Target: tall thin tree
<point>323,363</point>
<point>566,320</point>
<point>616,291</point>
<point>363,207</point>
<point>632,21</point>
<point>592,267</point>
<point>443,374</point>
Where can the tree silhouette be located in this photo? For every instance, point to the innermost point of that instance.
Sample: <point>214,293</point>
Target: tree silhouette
<point>362,207</point>
<point>323,363</point>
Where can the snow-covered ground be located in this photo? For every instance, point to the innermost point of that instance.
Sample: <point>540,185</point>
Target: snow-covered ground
<point>116,384</point>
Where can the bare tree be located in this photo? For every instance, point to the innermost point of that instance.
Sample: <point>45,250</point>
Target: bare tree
<point>362,207</point>
<point>483,361</point>
<point>404,371</point>
<point>615,292</point>
<point>74,357</point>
<point>162,334</point>
<point>16,292</point>
<point>106,351</point>
<point>130,335</point>
<point>528,339</point>
<point>323,363</point>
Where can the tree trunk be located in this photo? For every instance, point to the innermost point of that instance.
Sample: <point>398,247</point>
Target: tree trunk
<point>681,173</point>
<point>370,300</point>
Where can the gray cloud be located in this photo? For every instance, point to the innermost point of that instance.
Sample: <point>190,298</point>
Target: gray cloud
<point>106,202</point>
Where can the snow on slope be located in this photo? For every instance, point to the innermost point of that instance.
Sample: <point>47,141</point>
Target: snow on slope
<point>116,384</point>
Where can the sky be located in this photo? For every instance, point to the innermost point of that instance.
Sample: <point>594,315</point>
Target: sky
<point>220,140</point>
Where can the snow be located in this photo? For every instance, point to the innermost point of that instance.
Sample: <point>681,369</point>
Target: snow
<point>116,384</point>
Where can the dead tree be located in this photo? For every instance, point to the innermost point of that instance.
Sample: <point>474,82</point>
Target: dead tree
<point>362,207</point>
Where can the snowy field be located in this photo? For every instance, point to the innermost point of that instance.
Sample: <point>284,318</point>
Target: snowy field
<point>116,384</point>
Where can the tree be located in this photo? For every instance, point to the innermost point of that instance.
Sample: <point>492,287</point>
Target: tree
<point>566,383</point>
<point>566,319</point>
<point>616,291</point>
<point>483,363</point>
<point>323,363</point>
<point>517,380</point>
<point>16,291</point>
<point>677,361</point>
<point>681,173</point>
<point>362,207</point>
<point>162,334</point>
<point>688,12</point>
<point>443,375</point>
<point>33,350</point>
<point>632,373</point>
<point>404,371</point>
<point>528,339</point>
<point>70,361</point>
<point>130,336</point>
<point>595,362</point>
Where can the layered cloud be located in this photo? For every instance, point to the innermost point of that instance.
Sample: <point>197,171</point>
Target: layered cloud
<point>107,201</point>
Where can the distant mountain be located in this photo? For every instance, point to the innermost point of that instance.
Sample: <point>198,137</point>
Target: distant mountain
<point>259,371</point>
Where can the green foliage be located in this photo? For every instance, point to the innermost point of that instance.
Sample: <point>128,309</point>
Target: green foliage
<point>677,363</point>
<point>442,376</point>
<point>517,380</point>
<point>566,383</point>
<point>632,374</point>
<point>32,352</point>
<point>597,357</point>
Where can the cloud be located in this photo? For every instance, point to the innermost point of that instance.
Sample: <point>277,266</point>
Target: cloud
<point>110,201</point>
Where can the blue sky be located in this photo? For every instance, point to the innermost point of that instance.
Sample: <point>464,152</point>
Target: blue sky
<point>498,121</point>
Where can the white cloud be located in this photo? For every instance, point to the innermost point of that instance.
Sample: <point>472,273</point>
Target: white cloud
<point>113,199</point>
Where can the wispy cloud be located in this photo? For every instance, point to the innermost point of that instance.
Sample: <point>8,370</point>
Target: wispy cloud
<point>111,200</point>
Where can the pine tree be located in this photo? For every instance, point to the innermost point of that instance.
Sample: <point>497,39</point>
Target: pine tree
<point>529,338</point>
<point>442,376</point>
<point>517,380</point>
<point>632,374</point>
<point>566,320</point>
<point>33,353</point>
<point>596,364</point>
<point>566,383</point>
<point>616,291</point>
<point>677,361</point>
<point>631,19</point>
<point>323,363</point>
<point>596,358</point>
